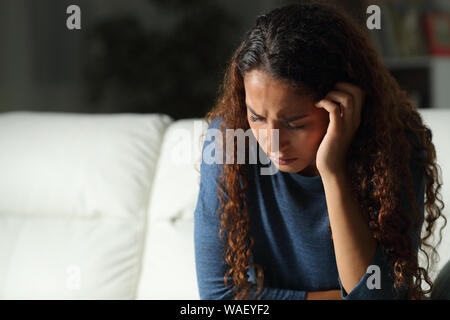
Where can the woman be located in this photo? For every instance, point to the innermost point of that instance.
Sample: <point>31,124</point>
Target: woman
<point>341,217</point>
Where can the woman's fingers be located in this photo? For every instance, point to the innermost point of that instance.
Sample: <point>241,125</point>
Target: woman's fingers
<point>333,110</point>
<point>346,102</point>
<point>358,95</point>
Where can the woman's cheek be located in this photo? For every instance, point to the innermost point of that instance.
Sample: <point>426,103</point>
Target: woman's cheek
<point>309,139</point>
<point>304,141</point>
<point>319,135</point>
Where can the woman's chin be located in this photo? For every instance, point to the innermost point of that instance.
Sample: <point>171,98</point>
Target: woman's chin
<point>291,167</point>
<point>287,169</point>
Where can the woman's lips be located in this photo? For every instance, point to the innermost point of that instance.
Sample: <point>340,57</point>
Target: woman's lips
<point>283,161</point>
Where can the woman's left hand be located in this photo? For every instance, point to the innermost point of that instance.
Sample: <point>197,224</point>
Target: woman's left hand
<point>344,121</point>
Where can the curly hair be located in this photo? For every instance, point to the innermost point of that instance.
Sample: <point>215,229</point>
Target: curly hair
<point>313,45</point>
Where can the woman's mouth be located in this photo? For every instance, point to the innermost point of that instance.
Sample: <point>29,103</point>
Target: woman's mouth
<point>283,161</point>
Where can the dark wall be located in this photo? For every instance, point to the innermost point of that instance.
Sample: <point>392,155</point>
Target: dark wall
<point>144,56</point>
<point>130,56</point>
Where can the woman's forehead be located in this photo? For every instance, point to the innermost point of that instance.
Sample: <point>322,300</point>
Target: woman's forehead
<point>265,94</point>
<point>260,82</point>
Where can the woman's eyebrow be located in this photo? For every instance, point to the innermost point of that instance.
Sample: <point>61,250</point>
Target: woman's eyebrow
<point>252,111</point>
<point>285,119</point>
<point>296,118</point>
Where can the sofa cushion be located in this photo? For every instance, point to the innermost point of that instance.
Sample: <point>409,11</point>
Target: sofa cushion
<point>168,270</point>
<point>437,120</point>
<point>75,191</point>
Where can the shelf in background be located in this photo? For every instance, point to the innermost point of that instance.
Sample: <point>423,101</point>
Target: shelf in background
<point>413,62</point>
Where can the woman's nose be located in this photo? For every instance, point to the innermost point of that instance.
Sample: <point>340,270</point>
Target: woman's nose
<point>277,140</point>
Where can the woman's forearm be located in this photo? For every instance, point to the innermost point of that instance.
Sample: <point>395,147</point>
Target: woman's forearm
<point>324,295</point>
<point>354,245</point>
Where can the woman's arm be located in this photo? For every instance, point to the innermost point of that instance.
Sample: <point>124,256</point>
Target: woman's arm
<point>349,233</point>
<point>353,242</point>
<point>209,252</point>
<point>324,295</point>
<point>355,248</point>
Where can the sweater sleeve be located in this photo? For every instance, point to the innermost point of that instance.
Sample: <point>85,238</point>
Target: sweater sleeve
<point>209,249</point>
<point>367,288</point>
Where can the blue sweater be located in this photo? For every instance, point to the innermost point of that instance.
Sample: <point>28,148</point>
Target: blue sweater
<point>290,225</point>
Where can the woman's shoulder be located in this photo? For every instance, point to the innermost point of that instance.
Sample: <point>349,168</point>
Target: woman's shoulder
<point>212,141</point>
<point>212,151</point>
<point>216,122</point>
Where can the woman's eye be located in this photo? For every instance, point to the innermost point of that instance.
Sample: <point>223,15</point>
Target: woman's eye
<point>254,119</point>
<point>295,128</point>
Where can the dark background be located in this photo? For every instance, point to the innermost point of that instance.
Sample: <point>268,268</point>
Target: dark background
<point>167,56</point>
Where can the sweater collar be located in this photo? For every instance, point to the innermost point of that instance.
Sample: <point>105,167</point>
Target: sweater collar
<point>311,183</point>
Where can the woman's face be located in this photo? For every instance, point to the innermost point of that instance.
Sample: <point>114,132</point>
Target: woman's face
<point>275,104</point>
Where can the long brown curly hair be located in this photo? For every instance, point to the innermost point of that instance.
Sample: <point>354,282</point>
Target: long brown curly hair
<point>314,45</point>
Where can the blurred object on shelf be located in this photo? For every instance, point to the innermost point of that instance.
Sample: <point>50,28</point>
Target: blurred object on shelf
<point>438,33</point>
<point>440,5</point>
<point>401,33</point>
<point>403,42</point>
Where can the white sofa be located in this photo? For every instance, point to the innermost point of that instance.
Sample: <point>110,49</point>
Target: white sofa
<point>101,206</point>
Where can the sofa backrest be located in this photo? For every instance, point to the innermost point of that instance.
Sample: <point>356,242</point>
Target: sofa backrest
<point>438,121</point>
<point>168,268</point>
